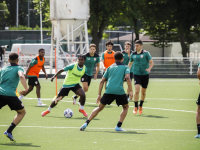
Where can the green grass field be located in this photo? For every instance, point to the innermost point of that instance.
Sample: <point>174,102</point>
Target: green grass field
<point>168,121</point>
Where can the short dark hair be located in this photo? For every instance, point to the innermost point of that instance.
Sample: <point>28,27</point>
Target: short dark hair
<point>128,43</point>
<point>139,42</point>
<point>81,55</point>
<point>13,56</point>
<point>109,43</point>
<point>41,49</point>
<point>118,55</point>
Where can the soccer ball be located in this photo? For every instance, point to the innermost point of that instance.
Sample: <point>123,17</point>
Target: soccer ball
<point>68,113</point>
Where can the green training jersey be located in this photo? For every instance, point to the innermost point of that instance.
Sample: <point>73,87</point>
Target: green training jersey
<point>198,64</point>
<point>90,63</point>
<point>9,79</point>
<point>33,62</point>
<point>66,82</point>
<point>115,75</point>
<point>140,62</point>
<point>127,59</point>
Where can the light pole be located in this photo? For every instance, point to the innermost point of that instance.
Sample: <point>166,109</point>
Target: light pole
<point>17,11</point>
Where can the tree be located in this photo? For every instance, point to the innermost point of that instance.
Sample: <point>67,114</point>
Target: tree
<point>163,17</point>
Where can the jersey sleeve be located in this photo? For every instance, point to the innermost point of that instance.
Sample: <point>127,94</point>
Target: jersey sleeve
<point>20,69</point>
<point>131,58</point>
<point>106,74</point>
<point>127,70</point>
<point>33,62</point>
<point>85,69</point>
<point>69,67</point>
<point>98,60</point>
<point>198,64</point>
<point>149,56</point>
<point>102,56</point>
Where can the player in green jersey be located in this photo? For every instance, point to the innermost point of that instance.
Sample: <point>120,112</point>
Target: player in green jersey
<point>9,79</point>
<point>126,55</point>
<point>71,82</point>
<point>115,75</point>
<point>92,59</point>
<point>142,65</point>
<point>198,109</point>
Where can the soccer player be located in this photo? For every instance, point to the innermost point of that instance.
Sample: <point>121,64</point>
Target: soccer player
<point>71,82</point>
<point>9,79</point>
<point>126,55</point>
<point>198,110</point>
<point>142,65</point>
<point>107,58</point>
<point>92,58</point>
<point>32,73</point>
<point>115,75</point>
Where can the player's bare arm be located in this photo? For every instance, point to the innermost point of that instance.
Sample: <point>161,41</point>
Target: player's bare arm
<point>97,70</point>
<point>128,81</point>
<point>29,67</point>
<point>100,89</point>
<point>130,65</point>
<point>59,72</point>
<point>151,63</point>
<point>23,81</point>
<point>43,69</point>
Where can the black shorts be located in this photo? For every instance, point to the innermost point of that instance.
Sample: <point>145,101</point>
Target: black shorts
<point>198,100</point>
<point>131,76</point>
<point>12,101</point>
<point>86,78</point>
<point>142,80</point>
<point>33,81</point>
<point>65,91</point>
<point>103,74</point>
<point>109,98</point>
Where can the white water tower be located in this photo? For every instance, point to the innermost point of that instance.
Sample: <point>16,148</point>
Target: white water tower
<point>68,18</point>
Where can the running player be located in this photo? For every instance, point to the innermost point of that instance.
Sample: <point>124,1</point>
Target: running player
<point>92,59</point>
<point>115,75</point>
<point>32,73</point>
<point>198,110</point>
<point>126,55</point>
<point>107,58</point>
<point>71,82</point>
<point>9,79</point>
<point>142,65</point>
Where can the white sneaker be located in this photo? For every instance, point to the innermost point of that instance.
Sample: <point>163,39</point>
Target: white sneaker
<point>41,104</point>
<point>74,100</point>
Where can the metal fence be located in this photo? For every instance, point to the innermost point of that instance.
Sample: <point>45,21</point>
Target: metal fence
<point>162,65</point>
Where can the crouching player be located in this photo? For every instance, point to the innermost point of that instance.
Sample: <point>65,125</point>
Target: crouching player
<point>114,75</point>
<point>71,82</point>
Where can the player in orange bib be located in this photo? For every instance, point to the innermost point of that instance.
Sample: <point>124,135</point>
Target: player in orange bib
<point>107,57</point>
<point>32,74</point>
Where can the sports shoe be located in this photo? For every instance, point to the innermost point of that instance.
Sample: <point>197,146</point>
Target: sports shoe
<point>44,113</point>
<point>128,99</point>
<point>82,128</point>
<point>74,100</point>
<point>140,110</point>
<point>41,104</point>
<point>9,135</point>
<point>135,110</point>
<point>83,112</point>
<point>197,136</point>
<point>119,129</point>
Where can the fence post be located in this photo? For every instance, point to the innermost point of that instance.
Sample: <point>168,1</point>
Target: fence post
<point>190,66</point>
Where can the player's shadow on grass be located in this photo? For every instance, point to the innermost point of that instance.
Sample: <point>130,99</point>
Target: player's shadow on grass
<point>19,144</point>
<point>153,116</point>
<point>119,132</point>
<point>107,106</point>
<point>70,118</point>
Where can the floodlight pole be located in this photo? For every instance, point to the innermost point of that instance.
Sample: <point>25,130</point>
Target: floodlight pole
<point>41,32</point>
<point>17,11</point>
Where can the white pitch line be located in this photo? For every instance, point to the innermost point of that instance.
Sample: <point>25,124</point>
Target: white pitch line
<point>129,106</point>
<point>145,98</point>
<point>49,127</point>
